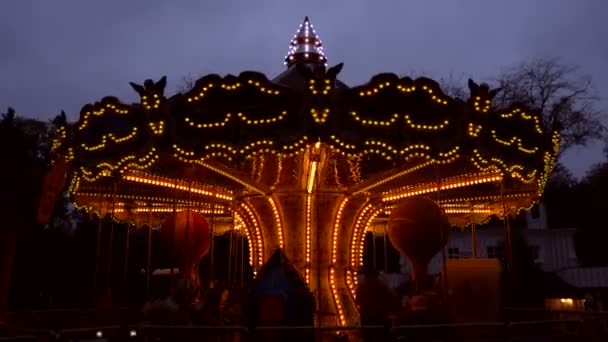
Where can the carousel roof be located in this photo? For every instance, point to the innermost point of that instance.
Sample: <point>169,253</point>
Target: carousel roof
<point>305,50</point>
<point>294,79</point>
<point>392,137</point>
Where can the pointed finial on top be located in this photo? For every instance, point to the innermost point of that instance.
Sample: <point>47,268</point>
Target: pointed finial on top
<point>306,47</point>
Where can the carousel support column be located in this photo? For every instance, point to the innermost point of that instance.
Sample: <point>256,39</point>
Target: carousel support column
<point>110,249</point>
<point>473,232</point>
<point>185,273</point>
<point>385,249</point>
<point>200,208</point>
<point>330,281</point>
<point>474,238</point>
<point>126,266</point>
<point>356,215</point>
<point>242,274</point>
<point>373,247</point>
<point>320,306</point>
<point>173,236</point>
<point>97,252</point>
<point>149,251</point>
<point>238,281</point>
<point>230,252</point>
<point>444,270</point>
<point>308,240</point>
<point>508,235</point>
<point>295,222</point>
<point>211,247</point>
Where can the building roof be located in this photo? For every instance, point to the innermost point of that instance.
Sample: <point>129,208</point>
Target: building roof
<point>586,277</point>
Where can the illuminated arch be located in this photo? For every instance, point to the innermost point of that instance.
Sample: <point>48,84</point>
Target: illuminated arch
<point>255,233</point>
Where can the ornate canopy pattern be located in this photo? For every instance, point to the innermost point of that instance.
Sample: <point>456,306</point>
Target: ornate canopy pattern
<point>390,123</point>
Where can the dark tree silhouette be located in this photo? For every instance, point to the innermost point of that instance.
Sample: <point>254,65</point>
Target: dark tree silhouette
<point>559,199</point>
<point>561,92</point>
<point>526,279</point>
<point>25,151</point>
<point>589,204</point>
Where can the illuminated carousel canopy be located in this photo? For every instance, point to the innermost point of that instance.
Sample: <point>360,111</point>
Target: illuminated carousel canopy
<point>305,158</point>
<point>406,136</point>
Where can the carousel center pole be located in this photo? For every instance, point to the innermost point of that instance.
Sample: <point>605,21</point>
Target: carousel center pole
<point>320,306</point>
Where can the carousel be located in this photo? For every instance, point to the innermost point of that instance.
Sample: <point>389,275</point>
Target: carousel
<point>304,164</point>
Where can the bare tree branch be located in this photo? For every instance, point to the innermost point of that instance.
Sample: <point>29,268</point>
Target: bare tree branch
<point>186,83</point>
<point>453,85</point>
<point>565,97</point>
<point>561,92</point>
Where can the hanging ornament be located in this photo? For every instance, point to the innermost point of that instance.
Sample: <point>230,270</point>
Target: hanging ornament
<point>418,229</point>
<point>187,233</point>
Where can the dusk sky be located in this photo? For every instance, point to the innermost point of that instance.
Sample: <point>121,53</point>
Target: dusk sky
<point>62,54</point>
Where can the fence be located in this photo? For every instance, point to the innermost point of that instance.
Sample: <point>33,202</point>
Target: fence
<point>591,328</point>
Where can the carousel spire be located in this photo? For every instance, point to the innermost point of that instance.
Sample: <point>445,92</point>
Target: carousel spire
<point>305,47</point>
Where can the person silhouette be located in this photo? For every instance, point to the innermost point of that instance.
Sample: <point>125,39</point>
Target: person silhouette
<point>375,301</point>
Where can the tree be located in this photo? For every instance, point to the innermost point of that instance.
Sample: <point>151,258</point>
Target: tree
<point>526,280</point>
<point>589,205</point>
<point>561,177</point>
<point>564,96</point>
<point>186,83</point>
<point>559,197</point>
<point>454,85</point>
<point>561,92</point>
<point>24,150</point>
